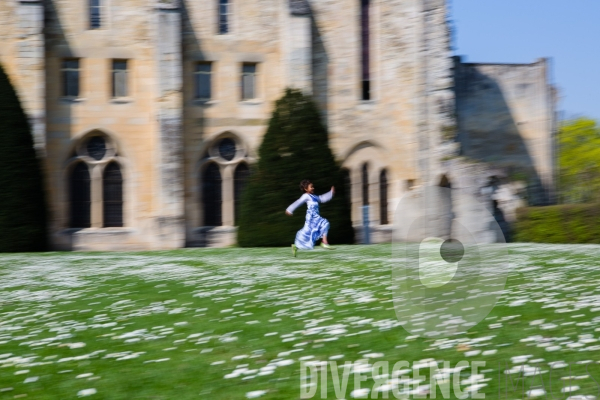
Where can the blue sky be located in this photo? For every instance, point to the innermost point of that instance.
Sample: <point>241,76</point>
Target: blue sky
<point>521,31</point>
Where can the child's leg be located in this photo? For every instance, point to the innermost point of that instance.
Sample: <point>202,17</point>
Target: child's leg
<point>325,232</point>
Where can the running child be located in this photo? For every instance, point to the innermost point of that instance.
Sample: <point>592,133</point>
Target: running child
<point>315,227</point>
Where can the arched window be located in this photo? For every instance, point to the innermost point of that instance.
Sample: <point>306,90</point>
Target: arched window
<point>112,195</point>
<point>80,196</point>
<point>365,185</point>
<point>383,198</point>
<point>211,195</point>
<point>240,178</point>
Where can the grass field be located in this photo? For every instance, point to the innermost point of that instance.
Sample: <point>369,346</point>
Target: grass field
<point>237,323</point>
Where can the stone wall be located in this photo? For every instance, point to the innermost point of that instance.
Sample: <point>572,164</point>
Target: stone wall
<point>164,138</point>
<point>437,114</point>
<point>260,33</point>
<point>22,55</point>
<point>311,45</point>
<point>506,117</point>
<point>382,132</point>
<point>141,129</point>
<point>169,191</point>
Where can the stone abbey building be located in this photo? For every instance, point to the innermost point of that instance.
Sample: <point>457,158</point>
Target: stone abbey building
<point>147,113</point>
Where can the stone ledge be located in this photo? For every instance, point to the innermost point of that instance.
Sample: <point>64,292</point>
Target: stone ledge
<point>205,102</point>
<point>377,233</point>
<point>72,100</point>
<point>100,231</point>
<point>101,239</point>
<point>213,236</point>
<point>253,102</point>
<point>121,100</point>
<point>167,4</point>
<point>231,121</point>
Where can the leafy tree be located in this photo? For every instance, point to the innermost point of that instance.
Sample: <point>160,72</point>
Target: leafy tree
<point>579,161</point>
<point>295,147</point>
<point>22,205</point>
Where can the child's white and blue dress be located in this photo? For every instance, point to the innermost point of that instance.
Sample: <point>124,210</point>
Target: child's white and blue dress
<point>315,226</point>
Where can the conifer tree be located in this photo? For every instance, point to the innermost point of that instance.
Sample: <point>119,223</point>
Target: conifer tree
<point>22,200</point>
<point>295,147</point>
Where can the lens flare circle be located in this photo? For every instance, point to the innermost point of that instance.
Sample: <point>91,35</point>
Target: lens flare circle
<point>450,261</point>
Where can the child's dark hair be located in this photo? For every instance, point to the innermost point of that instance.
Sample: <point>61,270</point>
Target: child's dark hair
<point>304,185</point>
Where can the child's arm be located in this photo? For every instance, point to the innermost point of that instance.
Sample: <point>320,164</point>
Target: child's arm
<point>324,198</point>
<point>296,204</point>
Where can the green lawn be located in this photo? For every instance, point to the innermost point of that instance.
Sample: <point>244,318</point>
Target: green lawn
<point>236,323</point>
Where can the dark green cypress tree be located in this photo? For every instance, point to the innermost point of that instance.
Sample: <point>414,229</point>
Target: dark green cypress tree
<point>295,147</point>
<point>22,200</point>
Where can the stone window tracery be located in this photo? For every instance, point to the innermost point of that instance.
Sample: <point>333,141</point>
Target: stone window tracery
<point>227,149</point>
<point>102,190</point>
<point>223,176</point>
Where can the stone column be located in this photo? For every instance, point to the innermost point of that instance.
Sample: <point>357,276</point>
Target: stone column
<point>421,90</point>
<point>96,196</point>
<point>31,67</point>
<point>169,106</point>
<point>437,117</point>
<point>227,209</point>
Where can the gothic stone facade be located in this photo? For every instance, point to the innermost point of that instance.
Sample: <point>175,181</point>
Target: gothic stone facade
<point>147,112</point>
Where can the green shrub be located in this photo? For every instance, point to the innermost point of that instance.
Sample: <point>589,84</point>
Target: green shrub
<point>22,205</point>
<point>569,223</point>
<point>295,147</point>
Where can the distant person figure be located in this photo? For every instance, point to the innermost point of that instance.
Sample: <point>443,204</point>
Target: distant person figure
<point>315,227</point>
